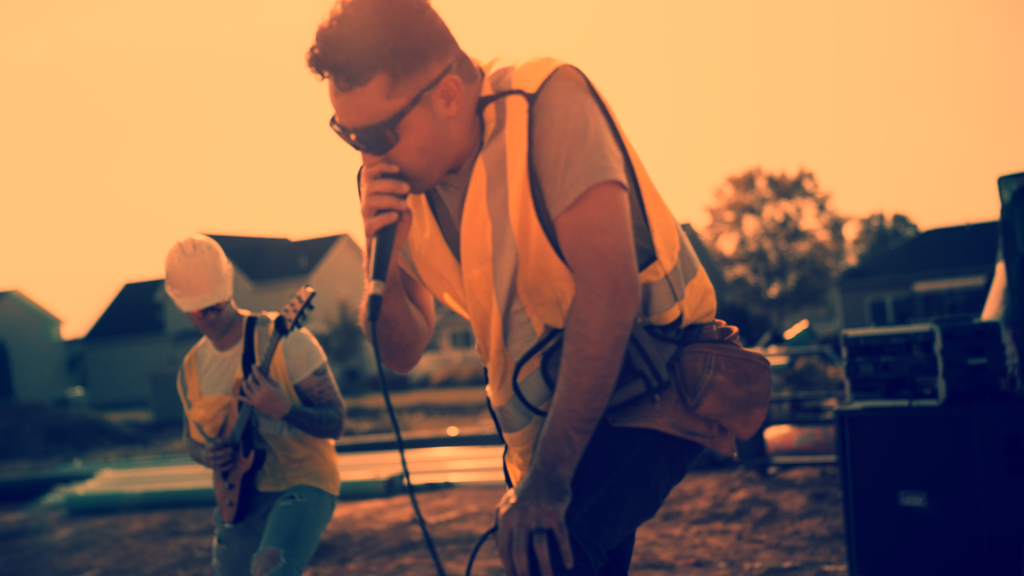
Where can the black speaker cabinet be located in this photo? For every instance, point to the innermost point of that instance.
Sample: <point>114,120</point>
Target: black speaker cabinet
<point>933,490</point>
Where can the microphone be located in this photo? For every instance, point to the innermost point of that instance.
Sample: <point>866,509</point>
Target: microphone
<point>380,257</point>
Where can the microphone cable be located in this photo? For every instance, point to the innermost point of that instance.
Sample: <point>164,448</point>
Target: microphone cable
<point>405,469</point>
<point>401,453</point>
<point>479,543</point>
<point>380,253</point>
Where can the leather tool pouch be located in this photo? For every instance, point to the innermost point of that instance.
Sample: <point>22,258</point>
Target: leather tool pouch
<point>714,375</point>
<point>720,380</point>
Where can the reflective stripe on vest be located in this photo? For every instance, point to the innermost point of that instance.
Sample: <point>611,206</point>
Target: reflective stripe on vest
<point>500,229</point>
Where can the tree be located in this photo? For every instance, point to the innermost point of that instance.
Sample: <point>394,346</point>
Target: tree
<point>779,244</point>
<point>878,235</point>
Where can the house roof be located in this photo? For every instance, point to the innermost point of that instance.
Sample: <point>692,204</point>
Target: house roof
<point>31,306</point>
<point>262,259</point>
<point>934,253</point>
<point>137,309</point>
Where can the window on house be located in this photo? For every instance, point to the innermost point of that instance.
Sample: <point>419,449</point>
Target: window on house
<point>902,310</point>
<point>970,302</point>
<point>934,304</point>
<point>6,382</point>
<point>891,309</point>
<point>463,339</point>
<point>879,313</point>
<point>432,345</point>
<point>924,306</point>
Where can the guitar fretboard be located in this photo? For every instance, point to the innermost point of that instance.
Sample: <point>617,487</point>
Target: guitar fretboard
<point>246,410</point>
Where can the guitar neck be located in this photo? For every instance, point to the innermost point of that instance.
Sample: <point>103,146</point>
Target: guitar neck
<point>268,353</point>
<point>264,366</point>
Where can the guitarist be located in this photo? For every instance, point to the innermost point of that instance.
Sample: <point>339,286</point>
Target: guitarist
<point>298,412</point>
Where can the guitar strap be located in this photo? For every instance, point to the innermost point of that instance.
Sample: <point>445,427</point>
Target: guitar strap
<point>249,351</point>
<point>248,439</point>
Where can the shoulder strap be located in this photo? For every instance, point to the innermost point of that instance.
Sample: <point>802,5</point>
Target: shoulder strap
<point>539,202</point>
<point>546,223</point>
<point>249,352</point>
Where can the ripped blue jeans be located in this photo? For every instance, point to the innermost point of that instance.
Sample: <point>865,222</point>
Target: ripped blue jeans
<point>276,537</point>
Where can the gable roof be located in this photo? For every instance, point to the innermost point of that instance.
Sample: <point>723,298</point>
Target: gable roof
<point>262,259</point>
<point>957,249</point>
<point>31,306</point>
<point>139,309</point>
<point>136,310</point>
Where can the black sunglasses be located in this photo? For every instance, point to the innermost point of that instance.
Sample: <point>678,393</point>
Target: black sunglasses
<point>381,137</point>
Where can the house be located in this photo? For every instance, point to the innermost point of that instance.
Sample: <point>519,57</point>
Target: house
<point>131,355</point>
<point>134,336</point>
<point>32,366</point>
<point>268,271</point>
<point>450,356</point>
<point>946,271</point>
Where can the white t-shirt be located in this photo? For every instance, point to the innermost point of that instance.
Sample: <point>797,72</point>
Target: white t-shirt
<point>217,369</point>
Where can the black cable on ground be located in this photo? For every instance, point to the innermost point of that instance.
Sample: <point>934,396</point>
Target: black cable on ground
<point>479,543</point>
<point>401,453</point>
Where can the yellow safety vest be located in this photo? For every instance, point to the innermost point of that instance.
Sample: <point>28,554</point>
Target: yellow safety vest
<point>503,242</point>
<point>293,458</point>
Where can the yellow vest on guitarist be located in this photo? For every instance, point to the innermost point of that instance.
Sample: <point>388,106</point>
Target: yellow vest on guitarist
<point>292,459</point>
<point>504,248</point>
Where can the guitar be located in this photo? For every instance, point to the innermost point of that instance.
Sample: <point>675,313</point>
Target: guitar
<point>227,486</point>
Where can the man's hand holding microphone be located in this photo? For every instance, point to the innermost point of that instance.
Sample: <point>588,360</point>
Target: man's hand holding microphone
<point>386,220</point>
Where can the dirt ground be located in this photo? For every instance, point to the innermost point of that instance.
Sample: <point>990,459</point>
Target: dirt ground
<point>717,522</point>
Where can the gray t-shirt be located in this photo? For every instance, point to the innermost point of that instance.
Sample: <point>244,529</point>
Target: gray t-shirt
<point>572,148</point>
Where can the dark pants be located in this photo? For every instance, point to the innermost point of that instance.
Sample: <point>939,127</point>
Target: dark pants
<point>621,481</point>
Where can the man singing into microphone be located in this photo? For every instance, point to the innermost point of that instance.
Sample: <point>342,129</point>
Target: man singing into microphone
<point>522,206</point>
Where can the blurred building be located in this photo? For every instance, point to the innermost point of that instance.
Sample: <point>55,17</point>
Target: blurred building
<point>941,272</point>
<point>32,366</point>
<point>450,357</point>
<point>129,359</point>
<point>131,355</point>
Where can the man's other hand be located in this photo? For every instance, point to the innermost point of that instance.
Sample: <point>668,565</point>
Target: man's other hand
<point>526,516</point>
<point>218,456</point>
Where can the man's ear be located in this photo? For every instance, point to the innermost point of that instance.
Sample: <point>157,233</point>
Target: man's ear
<point>449,94</point>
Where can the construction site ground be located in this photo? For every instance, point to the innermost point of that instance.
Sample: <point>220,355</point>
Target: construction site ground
<point>721,520</point>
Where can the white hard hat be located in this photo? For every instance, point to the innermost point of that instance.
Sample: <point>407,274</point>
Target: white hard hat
<point>197,273</point>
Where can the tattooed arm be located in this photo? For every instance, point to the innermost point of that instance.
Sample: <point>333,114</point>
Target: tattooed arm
<point>319,411</point>
<point>322,412</point>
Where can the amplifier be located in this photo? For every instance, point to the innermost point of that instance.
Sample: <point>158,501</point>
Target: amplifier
<point>933,491</point>
<point>922,364</point>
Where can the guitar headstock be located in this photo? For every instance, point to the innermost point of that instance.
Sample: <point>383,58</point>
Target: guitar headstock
<point>294,312</point>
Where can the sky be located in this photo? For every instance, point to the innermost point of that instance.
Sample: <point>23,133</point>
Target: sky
<point>126,125</point>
